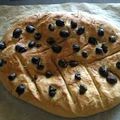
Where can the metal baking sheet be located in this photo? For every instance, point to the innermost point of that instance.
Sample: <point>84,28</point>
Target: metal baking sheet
<point>14,109</point>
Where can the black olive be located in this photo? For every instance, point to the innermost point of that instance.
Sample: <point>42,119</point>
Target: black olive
<point>64,33</point>
<point>50,41</point>
<point>2,62</point>
<point>30,28</point>
<point>52,91</point>
<point>20,89</point>
<point>48,74</point>
<point>56,48</point>
<point>92,41</point>
<point>20,49</point>
<point>99,50</point>
<point>73,63</point>
<point>35,60</point>
<point>12,76</point>
<point>104,48</point>
<point>37,36</point>
<point>118,64</point>
<point>40,66</point>
<point>32,44</point>
<point>63,63</point>
<point>103,71</point>
<point>51,27</point>
<point>60,23</point>
<point>84,54</point>
<point>17,32</point>
<point>82,89</point>
<point>101,32</point>
<point>2,45</point>
<point>73,24</point>
<point>112,39</point>
<point>77,76</point>
<point>80,30</point>
<point>76,47</point>
<point>111,79</point>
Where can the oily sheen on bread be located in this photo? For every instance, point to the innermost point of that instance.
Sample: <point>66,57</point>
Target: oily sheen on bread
<point>67,64</point>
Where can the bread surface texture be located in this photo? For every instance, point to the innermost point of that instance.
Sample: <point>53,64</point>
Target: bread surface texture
<point>64,63</point>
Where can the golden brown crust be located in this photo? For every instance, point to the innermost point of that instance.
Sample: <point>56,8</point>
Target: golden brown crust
<point>66,99</point>
<point>109,93</point>
<point>37,90</point>
<point>91,97</point>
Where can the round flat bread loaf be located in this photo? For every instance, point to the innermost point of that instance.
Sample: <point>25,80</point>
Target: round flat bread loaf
<point>66,64</point>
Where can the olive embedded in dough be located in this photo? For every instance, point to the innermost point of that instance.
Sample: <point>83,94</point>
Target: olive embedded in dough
<point>35,60</point>
<point>92,41</point>
<point>52,91</point>
<point>51,41</point>
<point>17,32</point>
<point>111,79</point>
<point>73,24</point>
<point>77,76</point>
<point>99,50</point>
<point>20,49</point>
<point>20,89</point>
<point>82,89</point>
<point>80,30</point>
<point>48,74</point>
<point>2,45</point>
<point>76,47</point>
<point>84,54</point>
<point>118,64</point>
<point>51,27</point>
<point>37,36</point>
<point>103,71</point>
<point>60,23</point>
<point>104,48</point>
<point>112,39</point>
<point>2,62</point>
<point>63,63</point>
<point>56,48</point>
<point>30,28</point>
<point>64,33</point>
<point>101,32</point>
<point>32,44</point>
<point>73,63</point>
<point>12,76</point>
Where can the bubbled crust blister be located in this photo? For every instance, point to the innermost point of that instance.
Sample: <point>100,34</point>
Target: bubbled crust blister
<point>51,63</point>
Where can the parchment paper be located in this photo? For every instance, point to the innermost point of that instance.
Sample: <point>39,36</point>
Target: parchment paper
<point>14,109</point>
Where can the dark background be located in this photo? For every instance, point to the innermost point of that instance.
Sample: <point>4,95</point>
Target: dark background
<point>31,2</point>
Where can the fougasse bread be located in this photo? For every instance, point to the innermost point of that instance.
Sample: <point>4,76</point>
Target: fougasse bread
<point>64,63</point>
